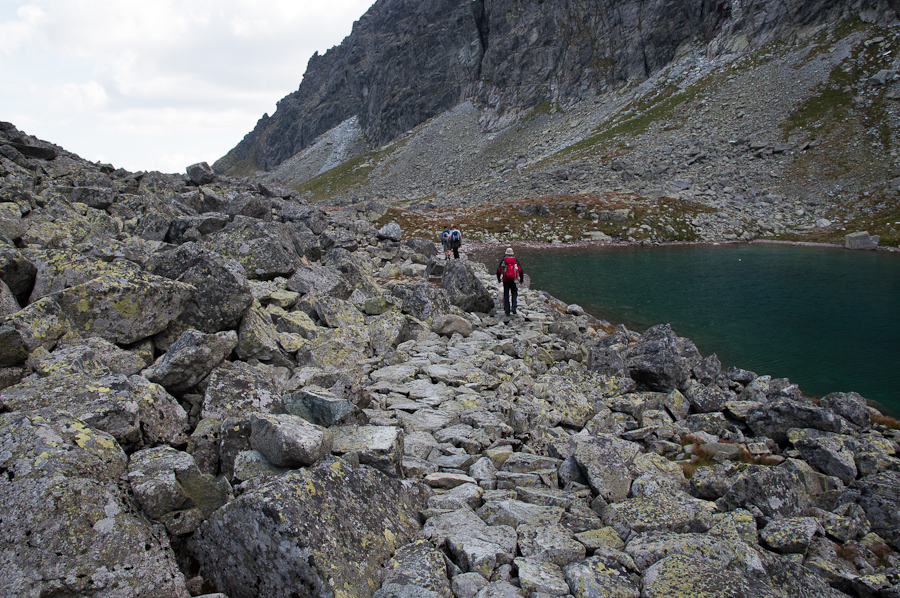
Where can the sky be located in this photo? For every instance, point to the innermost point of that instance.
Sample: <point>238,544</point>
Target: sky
<point>157,84</point>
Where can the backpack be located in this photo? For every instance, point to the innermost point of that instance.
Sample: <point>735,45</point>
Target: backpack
<point>454,235</point>
<point>445,236</point>
<point>511,271</point>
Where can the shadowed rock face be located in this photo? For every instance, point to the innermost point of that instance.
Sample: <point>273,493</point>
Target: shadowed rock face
<point>407,61</point>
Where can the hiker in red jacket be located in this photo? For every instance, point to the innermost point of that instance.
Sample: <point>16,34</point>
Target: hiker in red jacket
<point>507,272</point>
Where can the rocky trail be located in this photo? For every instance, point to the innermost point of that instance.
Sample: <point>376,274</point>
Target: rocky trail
<point>211,387</point>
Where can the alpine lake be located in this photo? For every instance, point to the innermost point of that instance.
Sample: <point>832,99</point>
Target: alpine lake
<point>825,317</point>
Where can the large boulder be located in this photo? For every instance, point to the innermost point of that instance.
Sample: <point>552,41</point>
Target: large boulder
<point>316,278</point>
<point>661,360</point>
<point>171,488</point>
<point>464,289</point>
<point>124,307</point>
<point>190,359</point>
<point>327,530</point>
<point>66,529</point>
<point>136,412</point>
<point>223,294</point>
<point>264,249</point>
<point>422,300</point>
<point>237,388</point>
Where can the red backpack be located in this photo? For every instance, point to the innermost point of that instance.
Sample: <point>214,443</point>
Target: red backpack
<point>511,270</point>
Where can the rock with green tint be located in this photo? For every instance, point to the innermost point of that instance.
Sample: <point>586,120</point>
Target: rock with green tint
<point>791,534</point>
<point>223,293</point>
<point>386,331</point>
<point>680,575</point>
<point>46,442</point>
<point>264,249</point>
<point>601,576</point>
<point>337,313</point>
<point>124,308</point>
<point>171,488</point>
<point>378,446</point>
<point>40,324</point>
<point>134,411</point>
<point>95,545</point>
<point>678,513</point>
<point>236,389</point>
<point>327,529</point>
<point>336,347</point>
<point>60,269</point>
<point>258,339</point>
<point>12,348</point>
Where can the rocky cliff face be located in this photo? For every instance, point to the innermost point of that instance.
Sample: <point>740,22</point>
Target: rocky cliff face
<point>407,61</point>
<point>211,385</point>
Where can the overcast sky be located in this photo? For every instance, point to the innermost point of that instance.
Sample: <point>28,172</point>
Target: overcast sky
<point>157,84</point>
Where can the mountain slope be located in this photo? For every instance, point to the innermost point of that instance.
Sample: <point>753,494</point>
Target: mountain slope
<point>776,117</point>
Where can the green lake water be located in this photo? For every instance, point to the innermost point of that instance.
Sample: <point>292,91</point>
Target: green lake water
<point>827,318</point>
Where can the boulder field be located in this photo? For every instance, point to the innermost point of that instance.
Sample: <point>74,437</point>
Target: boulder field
<point>211,387</point>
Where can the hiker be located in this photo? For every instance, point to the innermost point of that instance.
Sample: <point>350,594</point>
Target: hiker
<point>455,242</point>
<point>507,272</point>
<point>445,242</point>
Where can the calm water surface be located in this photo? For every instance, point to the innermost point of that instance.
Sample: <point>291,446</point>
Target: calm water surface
<point>827,318</point>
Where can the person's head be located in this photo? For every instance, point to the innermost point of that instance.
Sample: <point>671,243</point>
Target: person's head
<point>509,251</point>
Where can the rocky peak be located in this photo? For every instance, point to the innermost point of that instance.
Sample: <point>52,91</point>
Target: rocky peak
<point>407,61</point>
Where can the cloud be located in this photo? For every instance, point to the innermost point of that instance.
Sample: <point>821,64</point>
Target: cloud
<point>128,80</point>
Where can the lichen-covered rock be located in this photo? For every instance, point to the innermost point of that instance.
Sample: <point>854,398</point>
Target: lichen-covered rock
<point>677,513</point>
<point>66,528</point>
<point>326,529</point>
<point>791,534</point>
<point>40,324</point>
<point>337,313</point>
<point>450,324</point>
<point>258,339</point>
<point>601,576</point>
<point>44,443</point>
<point>416,569</point>
<point>880,495</point>
<point>60,269</point>
<point>172,490</point>
<point>768,491</point>
<point>288,440</point>
<point>551,543</point>
<point>264,249</point>
<point>422,300</point>
<point>473,545</point>
<point>829,455</point>
<point>606,461</point>
<point>190,359</point>
<point>124,307</point>
<point>237,388</point>
<point>774,419</point>
<point>223,293</point>
<point>682,575</point>
<point>378,446</point>
<point>136,412</point>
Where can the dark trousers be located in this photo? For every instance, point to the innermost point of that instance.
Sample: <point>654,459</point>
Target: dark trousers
<point>455,252</point>
<point>510,291</point>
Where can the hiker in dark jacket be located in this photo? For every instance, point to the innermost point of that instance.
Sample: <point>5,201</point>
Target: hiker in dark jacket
<point>455,242</point>
<point>507,272</point>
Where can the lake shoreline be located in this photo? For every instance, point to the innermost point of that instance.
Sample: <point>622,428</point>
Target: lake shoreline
<point>574,244</point>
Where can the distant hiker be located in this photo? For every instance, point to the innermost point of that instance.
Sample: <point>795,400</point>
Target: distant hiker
<point>507,272</point>
<point>455,242</point>
<point>445,242</point>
